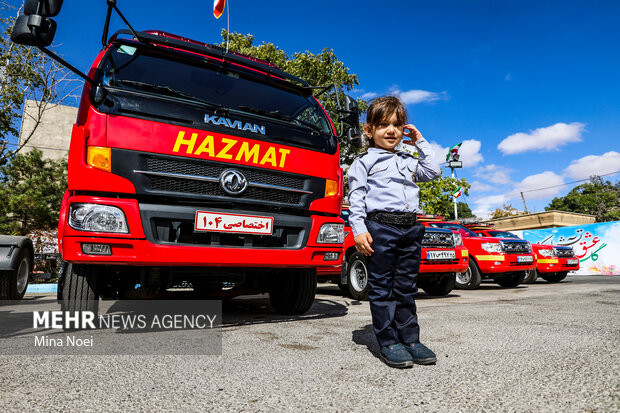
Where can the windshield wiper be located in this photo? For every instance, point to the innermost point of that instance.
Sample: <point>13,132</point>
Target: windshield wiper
<point>279,115</point>
<point>168,91</point>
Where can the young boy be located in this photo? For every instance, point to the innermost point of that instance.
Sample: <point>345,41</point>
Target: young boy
<point>384,200</point>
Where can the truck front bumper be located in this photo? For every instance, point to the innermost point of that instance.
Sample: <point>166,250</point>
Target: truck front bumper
<point>551,265</point>
<point>502,263</point>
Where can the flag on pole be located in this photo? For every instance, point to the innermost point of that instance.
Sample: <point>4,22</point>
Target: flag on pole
<point>458,192</point>
<point>453,153</point>
<point>218,8</point>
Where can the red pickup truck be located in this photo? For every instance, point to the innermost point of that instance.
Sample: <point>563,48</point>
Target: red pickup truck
<point>553,262</point>
<point>505,260</point>
<point>443,256</point>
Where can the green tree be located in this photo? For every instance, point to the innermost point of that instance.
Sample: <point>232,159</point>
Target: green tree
<point>597,197</point>
<point>319,69</point>
<point>26,73</point>
<point>31,190</point>
<point>464,210</point>
<point>505,211</point>
<point>436,196</point>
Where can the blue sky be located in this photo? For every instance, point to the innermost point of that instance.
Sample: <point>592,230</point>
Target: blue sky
<point>530,87</point>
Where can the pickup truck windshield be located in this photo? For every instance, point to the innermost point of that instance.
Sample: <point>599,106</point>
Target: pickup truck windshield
<point>145,70</point>
<point>457,227</point>
<point>503,234</point>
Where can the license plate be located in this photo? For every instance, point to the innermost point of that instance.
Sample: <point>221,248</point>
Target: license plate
<point>525,258</point>
<point>572,262</point>
<point>440,255</point>
<point>241,224</point>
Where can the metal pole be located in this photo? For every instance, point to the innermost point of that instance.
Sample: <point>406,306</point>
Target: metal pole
<point>456,214</point>
<point>227,25</point>
<point>523,198</point>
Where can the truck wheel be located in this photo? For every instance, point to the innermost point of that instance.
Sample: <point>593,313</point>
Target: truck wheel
<point>13,283</point>
<point>293,291</point>
<point>510,280</point>
<point>530,276</point>
<point>343,288</point>
<point>470,279</point>
<point>555,277</point>
<point>80,290</point>
<point>357,276</point>
<point>441,287</point>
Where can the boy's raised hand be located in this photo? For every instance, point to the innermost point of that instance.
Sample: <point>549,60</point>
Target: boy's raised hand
<point>363,243</point>
<point>412,132</point>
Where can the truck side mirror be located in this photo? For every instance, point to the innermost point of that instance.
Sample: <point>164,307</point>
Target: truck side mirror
<point>45,8</point>
<point>33,30</point>
<point>351,116</point>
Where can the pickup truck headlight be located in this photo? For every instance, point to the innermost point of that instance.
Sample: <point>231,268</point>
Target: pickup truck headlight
<point>97,218</point>
<point>491,246</point>
<point>546,253</point>
<point>331,234</point>
<point>458,239</point>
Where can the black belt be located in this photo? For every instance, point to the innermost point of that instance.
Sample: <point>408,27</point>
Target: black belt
<point>402,219</point>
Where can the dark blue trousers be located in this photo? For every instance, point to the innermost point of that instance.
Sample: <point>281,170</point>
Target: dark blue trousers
<point>393,271</point>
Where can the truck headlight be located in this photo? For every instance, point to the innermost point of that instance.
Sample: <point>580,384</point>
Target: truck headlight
<point>331,234</point>
<point>97,218</point>
<point>546,253</point>
<point>458,239</point>
<point>491,246</point>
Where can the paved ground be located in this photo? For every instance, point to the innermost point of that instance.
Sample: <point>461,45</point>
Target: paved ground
<point>542,347</point>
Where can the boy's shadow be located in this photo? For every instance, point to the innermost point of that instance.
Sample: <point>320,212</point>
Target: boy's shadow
<point>365,336</point>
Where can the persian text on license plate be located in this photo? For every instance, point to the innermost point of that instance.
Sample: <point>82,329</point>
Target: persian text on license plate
<point>525,258</point>
<point>241,224</point>
<point>572,262</point>
<point>440,255</point>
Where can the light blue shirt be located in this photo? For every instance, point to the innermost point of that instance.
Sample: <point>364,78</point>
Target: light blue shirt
<point>381,180</point>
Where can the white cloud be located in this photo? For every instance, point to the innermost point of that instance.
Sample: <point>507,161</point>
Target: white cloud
<point>369,95</point>
<point>587,166</point>
<point>470,153</point>
<point>414,96</point>
<point>546,185</point>
<point>542,139</point>
<point>439,151</point>
<point>487,204</point>
<point>478,186</point>
<point>494,173</point>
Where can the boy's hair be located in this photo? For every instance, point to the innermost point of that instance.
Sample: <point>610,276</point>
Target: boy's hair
<point>381,109</point>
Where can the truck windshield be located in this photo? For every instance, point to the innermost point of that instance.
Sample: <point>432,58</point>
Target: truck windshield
<point>503,234</point>
<point>457,227</point>
<point>153,71</point>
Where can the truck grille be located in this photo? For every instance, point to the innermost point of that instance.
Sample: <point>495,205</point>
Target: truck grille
<point>564,252</point>
<point>201,178</point>
<point>516,247</point>
<point>438,239</point>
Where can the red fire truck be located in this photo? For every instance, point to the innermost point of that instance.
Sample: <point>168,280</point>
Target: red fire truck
<point>553,262</point>
<point>504,260</point>
<point>190,164</point>
<point>443,256</point>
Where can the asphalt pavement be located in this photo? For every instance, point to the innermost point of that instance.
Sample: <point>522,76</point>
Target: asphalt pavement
<point>534,348</point>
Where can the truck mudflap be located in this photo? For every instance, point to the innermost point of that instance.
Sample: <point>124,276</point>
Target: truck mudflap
<point>16,262</point>
<point>10,249</point>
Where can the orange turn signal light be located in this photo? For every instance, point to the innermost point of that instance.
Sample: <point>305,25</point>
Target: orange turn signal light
<point>331,188</point>
<point>99,157</point>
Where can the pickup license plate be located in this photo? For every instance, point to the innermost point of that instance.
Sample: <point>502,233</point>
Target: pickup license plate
<point>241,224</point>
<point>572,262</point>
<point>525,258</point>
<point>440,255</point>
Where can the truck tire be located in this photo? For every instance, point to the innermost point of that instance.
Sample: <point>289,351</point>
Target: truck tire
<point>357,276</point>
<point>13,283</point>
<point>470,279</point>
<point>440,287</point>
<point>510,280</point>
<point>80,288</point>
<point>530,276</point>
<point>293,291</point>
<point>555,277</point>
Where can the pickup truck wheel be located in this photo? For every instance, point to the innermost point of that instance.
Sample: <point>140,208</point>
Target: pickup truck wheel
<point>293,291</point>
<point>470,279</point>
<point>13,283</point>
<point>555,277</point>
<point>530,276</point>
<point>511,280</point>
<point>357,276</point>
<point>80,290</point>
<point>441,287</point>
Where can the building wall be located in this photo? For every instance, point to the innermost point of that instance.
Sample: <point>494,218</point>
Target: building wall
<point>53,135</point>
<point>548,219</point>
